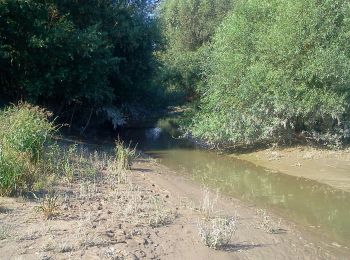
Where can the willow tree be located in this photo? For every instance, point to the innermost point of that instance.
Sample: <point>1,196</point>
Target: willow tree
<point>187,27</point>
<point>278,69</point>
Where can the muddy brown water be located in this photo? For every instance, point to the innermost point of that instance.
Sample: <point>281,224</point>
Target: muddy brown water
<point>311,205</point>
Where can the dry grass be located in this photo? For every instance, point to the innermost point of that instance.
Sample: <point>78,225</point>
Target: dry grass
<point>208,203</point>
<point>124,155</point>
<point>217,232</point>
<point>267,224</point>
<point>161,216</point>
<point>49,206</point>
<point>214,231</point>
<point>5,232</point>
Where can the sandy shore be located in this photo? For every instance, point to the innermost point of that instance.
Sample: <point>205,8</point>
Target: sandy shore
<point>325,166</point>
<point>154,215</point>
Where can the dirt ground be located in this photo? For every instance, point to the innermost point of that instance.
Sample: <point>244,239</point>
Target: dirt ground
<point>330,167</point>
<point>153,215</point>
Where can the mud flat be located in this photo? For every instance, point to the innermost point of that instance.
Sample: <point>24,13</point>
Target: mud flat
<point>325,166</point>
<point>153,214</point>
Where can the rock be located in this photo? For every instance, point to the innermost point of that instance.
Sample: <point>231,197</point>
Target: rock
<point>336,244</point>
<point>110,233</point>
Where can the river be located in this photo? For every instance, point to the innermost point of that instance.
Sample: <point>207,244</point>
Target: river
<point>316,207</point>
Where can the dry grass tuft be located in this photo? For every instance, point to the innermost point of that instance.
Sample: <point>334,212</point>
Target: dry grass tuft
<point>49,206</point>
<point>217,232</point>
<point>124,155</point>
<point>5,232</point>
<point>160,215</point>
<point>208,203</point>
<point>267,224</point>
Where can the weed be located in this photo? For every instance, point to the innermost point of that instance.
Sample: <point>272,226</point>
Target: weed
<point>116,175</point>
<point>160,216</point>
<point>64,247</point>
<point>26,128</point>
<point>208,204</point>
<point>5,232</point>
<point>87,189</point>
<point>49,206</point>
<point>124,155</point>
<point>266,222</point>
<point>24,131</point>
<point>217,232</point>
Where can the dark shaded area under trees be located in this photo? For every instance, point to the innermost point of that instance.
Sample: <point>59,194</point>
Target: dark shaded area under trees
<point>78,57</point>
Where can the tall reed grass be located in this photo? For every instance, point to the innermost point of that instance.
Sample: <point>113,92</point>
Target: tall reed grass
<point>24,131</point>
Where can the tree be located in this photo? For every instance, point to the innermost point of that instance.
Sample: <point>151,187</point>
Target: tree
<point>91,53</point>
<point>44,54</point>
<point>278,69</point>
<point>187,27</point>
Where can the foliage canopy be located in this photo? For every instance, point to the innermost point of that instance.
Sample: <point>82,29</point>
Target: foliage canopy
<point>87,52</point>
<point>276,69</point>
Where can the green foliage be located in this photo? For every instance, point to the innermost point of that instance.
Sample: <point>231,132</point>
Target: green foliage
<point>44,54</point>
<point>276,69</point>
<point>24,130</point>
<point>189,24</point>
<point>187,27</point>
<point>31,161</point>
<point>83,52</point>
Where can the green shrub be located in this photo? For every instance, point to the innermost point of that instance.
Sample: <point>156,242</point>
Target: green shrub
<point>278,69</point>
<point>24,130</point>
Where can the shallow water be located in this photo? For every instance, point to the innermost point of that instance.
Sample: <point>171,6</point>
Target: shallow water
<point>315,206</point>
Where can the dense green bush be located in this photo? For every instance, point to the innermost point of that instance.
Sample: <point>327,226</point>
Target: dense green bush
<point>278,69</point>
<point>24,130</point>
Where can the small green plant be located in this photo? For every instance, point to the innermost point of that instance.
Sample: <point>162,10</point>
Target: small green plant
<point>124,155</point>
<point>49,205</point>
<point>217,232</point>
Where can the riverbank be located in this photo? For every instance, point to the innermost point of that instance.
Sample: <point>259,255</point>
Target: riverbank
<point>331,167</point>
<point>153,214</point>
